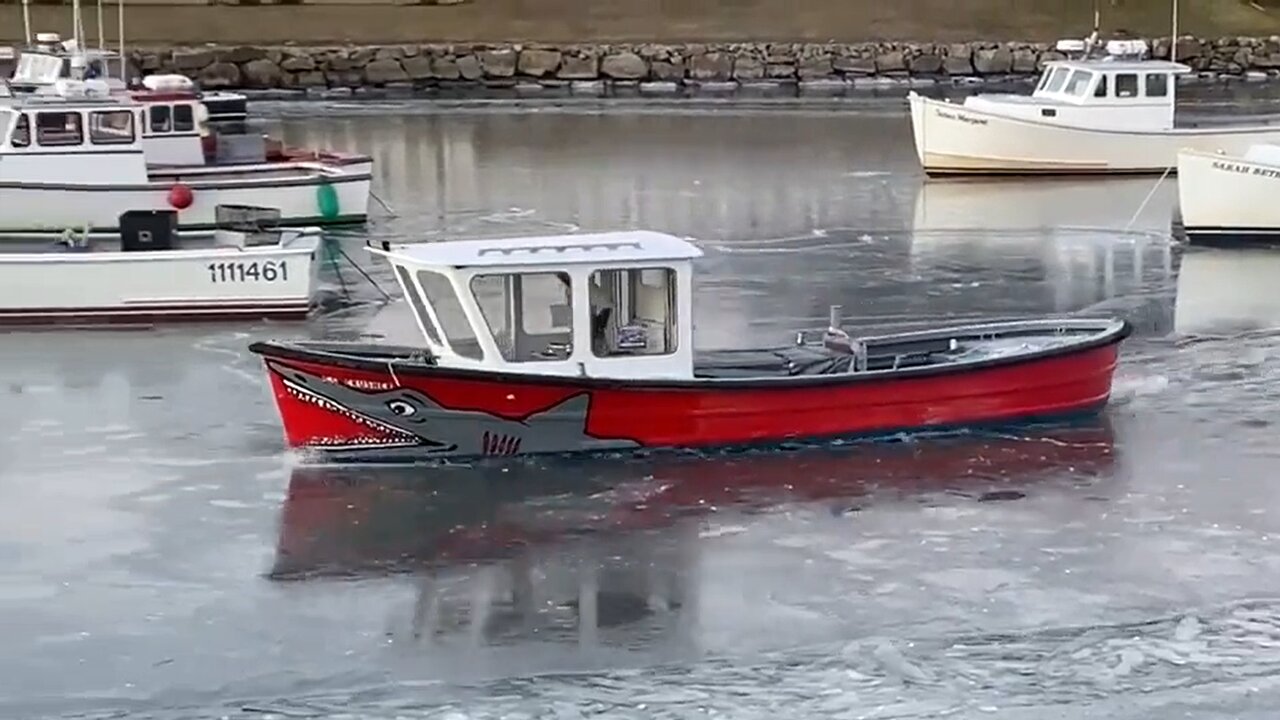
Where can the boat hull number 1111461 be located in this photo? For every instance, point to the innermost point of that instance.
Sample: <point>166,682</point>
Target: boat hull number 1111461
<point>239,272</point>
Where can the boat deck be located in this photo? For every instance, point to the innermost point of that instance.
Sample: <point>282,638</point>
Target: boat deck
<point>814,359</point>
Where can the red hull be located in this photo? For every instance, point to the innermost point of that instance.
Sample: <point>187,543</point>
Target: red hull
<point>340,403</point>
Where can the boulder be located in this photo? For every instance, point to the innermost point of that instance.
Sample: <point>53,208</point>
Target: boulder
<point>537,63</point>
<point>624,66</point>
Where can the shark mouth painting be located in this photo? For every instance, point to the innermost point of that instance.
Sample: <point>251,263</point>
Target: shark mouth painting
<point>335,415</point>
<point>371,432</point>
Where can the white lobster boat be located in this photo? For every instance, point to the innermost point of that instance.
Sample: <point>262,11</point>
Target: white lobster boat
<point>184,125</point>
<point>1091,115</point>
<point>151,273</point>
<point>76,160</point>
<point>1230,197</point>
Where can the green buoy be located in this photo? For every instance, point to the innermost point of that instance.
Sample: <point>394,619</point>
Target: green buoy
<point>327,201</point>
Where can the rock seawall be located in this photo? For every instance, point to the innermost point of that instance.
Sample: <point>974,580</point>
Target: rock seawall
<point>657,67</point>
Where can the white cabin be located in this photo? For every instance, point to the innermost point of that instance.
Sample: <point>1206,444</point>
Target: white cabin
<point>176,117</point>
<point>615,304</point>
<point>79,136</point>
<point>1113,92</point>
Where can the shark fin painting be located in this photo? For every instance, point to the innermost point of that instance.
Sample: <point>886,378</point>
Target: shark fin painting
<point>337,415</point>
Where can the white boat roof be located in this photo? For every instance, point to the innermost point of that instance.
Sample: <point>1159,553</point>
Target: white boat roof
<point>1112,65</point>
<point>576,249</point>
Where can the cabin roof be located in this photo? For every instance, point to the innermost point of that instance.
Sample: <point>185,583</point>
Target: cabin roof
<point>1106,64</point>
<point>557,250</point>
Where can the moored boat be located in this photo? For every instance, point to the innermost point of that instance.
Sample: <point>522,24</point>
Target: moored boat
<point>1229,197</point>
<point>184,125</point>
<point>584,343</point>
<point>76,160</point>
<point>151,274</point>
<point>1090,115</point>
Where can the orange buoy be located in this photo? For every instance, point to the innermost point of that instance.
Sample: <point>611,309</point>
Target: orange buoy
<point>180,196</point>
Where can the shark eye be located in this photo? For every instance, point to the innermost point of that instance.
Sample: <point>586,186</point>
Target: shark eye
<point>401,408</point>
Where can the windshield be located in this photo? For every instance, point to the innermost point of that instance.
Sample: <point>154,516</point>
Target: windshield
<point>1079,83</point>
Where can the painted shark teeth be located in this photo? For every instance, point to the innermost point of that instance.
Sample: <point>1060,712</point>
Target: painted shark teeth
<point>407,440</point>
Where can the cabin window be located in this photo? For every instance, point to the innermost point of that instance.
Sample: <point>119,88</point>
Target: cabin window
<point>111,127</point>
<point>21,136</point>
<point>1055,82</point>
<point>415,303</point>
<point>1079,83</point>
<point>55,129</point>
<point>161,120</point>
<point>633,312</point>
<point>1157,85</point>
<point>1101,89</point>
<point>1126,85</point>
<point>184,118</point>
<point>453,320</point>
<point>528,314</point>
<point>1044,79</point>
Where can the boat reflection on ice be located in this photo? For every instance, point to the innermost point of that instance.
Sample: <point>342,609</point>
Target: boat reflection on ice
<point>1139,204</point>
<point>571,548</point>
<point>1225,291</point>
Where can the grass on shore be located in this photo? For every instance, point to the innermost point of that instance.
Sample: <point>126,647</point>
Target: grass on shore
<point>562,21</point>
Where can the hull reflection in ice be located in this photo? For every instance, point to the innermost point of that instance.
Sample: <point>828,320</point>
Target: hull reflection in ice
<point>1224,291</point>
<point>996,204</point>
<point>573,549</point>
<point>358,520</point>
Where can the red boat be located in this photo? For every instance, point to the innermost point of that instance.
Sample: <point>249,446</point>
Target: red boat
<point>584,343</point>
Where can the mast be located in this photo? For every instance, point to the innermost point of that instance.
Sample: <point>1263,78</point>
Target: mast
<point>26,20</point>
<point>120,33</point>
<point>1173,41</point>
<point>101,41</point>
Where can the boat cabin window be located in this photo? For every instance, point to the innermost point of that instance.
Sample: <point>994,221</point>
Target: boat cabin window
<point>161,120</point>
<point>21,135</point>
<point>55,129</point>
<point>1101,89</point>
<point>184,118</point>
<point>1079,83</point>
<point>633,311</point>
<point>1126,85</point>
<point>528,314</point>
<point>453,320</point>
<point>415,302</point>
<point>1057,79</point>
<point>111,127</point>
<point>1157,84</point>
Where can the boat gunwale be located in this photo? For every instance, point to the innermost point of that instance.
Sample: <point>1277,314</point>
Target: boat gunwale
<point>315,178</point>
<point>8,257</point>
<point>1105,333</point>
<point>914,97</point>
